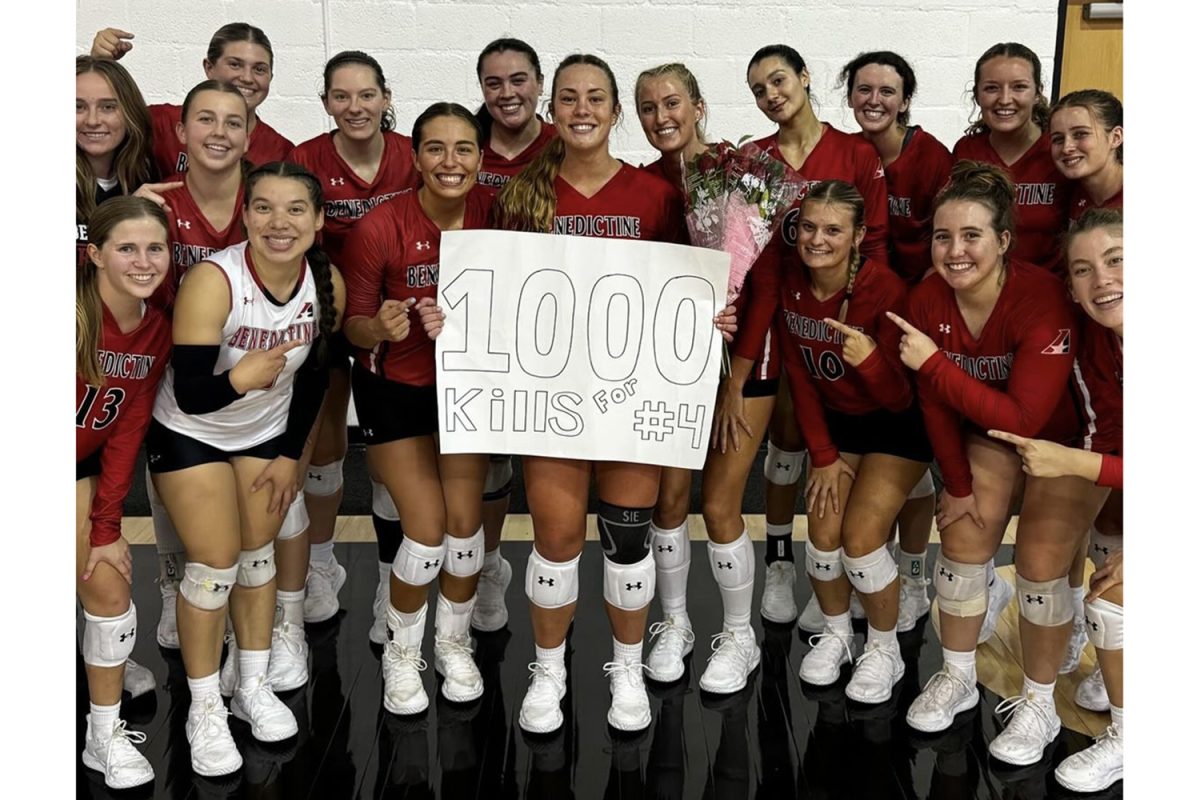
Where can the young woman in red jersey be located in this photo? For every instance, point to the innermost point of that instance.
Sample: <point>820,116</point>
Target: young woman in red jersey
<point>1095,266</point>
<point>510,76</point>
<point>993,340</point>
<point>360,164</point>
<point>867,447</point>
<point>121,348</point>
<point>1013,132</point>
<point>239,54</point>
<point>231,421</point>
<point>391,259</point>
<point>779,80</point>
<point>1086,143</point>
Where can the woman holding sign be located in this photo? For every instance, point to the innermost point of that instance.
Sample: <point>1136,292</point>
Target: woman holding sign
<point>391,260</point>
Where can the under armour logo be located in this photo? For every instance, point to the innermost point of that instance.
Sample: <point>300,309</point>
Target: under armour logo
<point>337,181</point>
<point>944,327</point>
<point>783,466</point>
<point>724,565</point>
<point>247,301</point>
<point>1032,599</point>
<point>1099,548</point>
<point>368,432</point>
<point>183,223</point>
<point>260,562</point>
<point>424,245</point>
<point>129,635</point>
<point>315,476</point>
<point>1091,624</point>
<point>947,575</point>
<point>461,554</point>
<point>434,563</point>
<point>629,587</point>
<point>859,574</point>
<point>797,295</point>
<point>666,548</point>
<point>543,580</point>
<point>826,567</point>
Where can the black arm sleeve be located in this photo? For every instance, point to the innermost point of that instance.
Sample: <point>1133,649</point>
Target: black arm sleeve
<point>197,389</point>
<point>308,392</point>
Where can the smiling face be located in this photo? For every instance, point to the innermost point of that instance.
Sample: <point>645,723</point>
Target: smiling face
<point>248,67</point>
<point>966,249</point>
<point>356,101</point>
<point>511,88</point>
<point>1095,266</point>
<point>669,117</point>
<point>449,156</point>
<point>99,124</point>
<point>1079,145</point>
<point>877,97</point>
<point>1006,93</point>
<point>778,91</point>
<point>826,235</point>
<point>281,219</point>
<point>214,131</point>
<point>584,107</point>
<point>133,260</point>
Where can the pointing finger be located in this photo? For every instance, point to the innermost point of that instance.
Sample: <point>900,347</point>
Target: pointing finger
<point>1011,438</point>
<point>845,330</point>
<point>903,323</point>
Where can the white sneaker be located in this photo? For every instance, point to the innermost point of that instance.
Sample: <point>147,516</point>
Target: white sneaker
<point>999,595</point>
<point>123,766</point>
<point>211,743</point>
<point>735,655</point>
<point>491,612</point>
<point>138,679</point>
<point>1075,647</point>
<point>856,607</point>
<point>1096,768</point>
<point>229,670</point>
<point>270,720</point>
<point>1092,694</point>
<point>452,658</point>
<point>877,670</point>
<point>822,665</point>
<point>811,619</point>
<point>672,641</point>
<point>321,589</point>
<point>379,630</point>
<point>1032,725</point>
<point>914,603</point>
<point>779,592</point>
<point>168,627</point>
<point>289,658</point>
<point>540,710</point>
<point>945,695</point>
<point>403,690</point>
<point>630,707</point>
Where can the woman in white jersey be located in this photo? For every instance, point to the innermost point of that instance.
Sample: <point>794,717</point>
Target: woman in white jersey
<point>232,417</point>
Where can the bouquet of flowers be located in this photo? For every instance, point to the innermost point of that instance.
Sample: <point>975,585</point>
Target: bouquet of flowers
<point>736,197</point>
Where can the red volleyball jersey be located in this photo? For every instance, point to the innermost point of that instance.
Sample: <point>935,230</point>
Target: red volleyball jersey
<point>836,156</point>
<point>347,196</point>
<point>812,353</point>
<point>913,181</point>
<point>193,238</point>
<point>1013,377</point>
<point>1041,208</point>
<point>115,416</point>
<point>264,146</point>
<point>655,168</point>
<point>496,170</point>
<point>632,205</point>
<point>1099,383</point>
<point>1081,202</point>
<point>393,254</point>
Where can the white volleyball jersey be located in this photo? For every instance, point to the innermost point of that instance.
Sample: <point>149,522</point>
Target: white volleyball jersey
<point>255,322</point>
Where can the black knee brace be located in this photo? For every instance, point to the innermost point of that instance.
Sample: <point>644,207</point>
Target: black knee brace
<point>624,532</point>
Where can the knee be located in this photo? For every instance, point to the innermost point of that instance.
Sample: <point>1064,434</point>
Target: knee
<point>720,516</point>
<point>1042,564</point>
<point>107,597</point>
<point>558,545</point>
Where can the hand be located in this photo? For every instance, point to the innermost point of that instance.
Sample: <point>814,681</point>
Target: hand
<point>726,322</point>
<point>282,475</point>
<point>856,345</point>
<point>154,192</point>
<point>258,369</point>
<point>431,315</point>
<point>115,554</point>
<point>951,509</point>
<point>1110,574</point>
<point>730,415</point>
<point>823,484</point>
<point>391,322</point>
<point>1040,458</point>
<point>915,347</point>
<point>111,43</point>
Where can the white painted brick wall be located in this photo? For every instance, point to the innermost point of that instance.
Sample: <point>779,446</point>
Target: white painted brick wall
<point>428,49</point>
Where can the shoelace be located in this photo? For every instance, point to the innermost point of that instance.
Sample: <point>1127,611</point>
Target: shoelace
<point>119,731</point>
<point>723,641</point>
<point>1111,737</point>
<point>213,716</point>
<point>843,638</point>
<point>668,626</point>
<point>538,671</point>
<point>631,670</point>
<point>456,647</point>
<point>396,656</point>
<point>1024,723</point>
<point>292,637</point>
<point>943,682</point>
<point>876,650</point>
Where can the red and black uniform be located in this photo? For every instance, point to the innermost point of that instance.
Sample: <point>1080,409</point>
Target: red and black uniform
<point>394,254</point>
<point>81,228</point>
<point>632,205</point>
<point>347,196</point>
<point>1012,377</point>
<point>170,157</point>
<point>1080,201</point>
<point>1040,212</point>
<point>496,170</point>
<point>193,239</point>
<point>111,420</point>
<point>913,181</point>
<point>865,409</point>
<point>655,168</point>
<point>836,156</point>
<point>1099,383</point>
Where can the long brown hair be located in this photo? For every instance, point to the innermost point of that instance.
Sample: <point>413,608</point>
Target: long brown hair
<point>1041,106</point>
<point>131,159</point>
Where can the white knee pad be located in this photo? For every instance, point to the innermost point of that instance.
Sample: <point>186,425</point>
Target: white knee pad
<point>924,487</point>
<point>782,467</point>
<point>871,573</point>
<point>417,564</point>
<point>207,587</point>
<point>1100,545</point>
<point>166,538</point>
<point>733,563</point>
<point>256,567</point>
<point>499,478</point>
<point>962,589</point>
<point>671,548</point>
<point>629,587</point>
<point>822,565</point>
<point>382,505</point>
<point>108,641</point>
<point>295,522</point>
<point>1105,623</point>
<point>551,584</point>
<point>1046,603</point>
<point>464,555</point>
<point>323,480</point>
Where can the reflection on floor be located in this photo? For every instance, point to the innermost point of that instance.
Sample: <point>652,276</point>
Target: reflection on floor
<point>778,738</point>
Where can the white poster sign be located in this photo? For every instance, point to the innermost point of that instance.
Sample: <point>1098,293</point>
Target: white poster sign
<point>576,347</point>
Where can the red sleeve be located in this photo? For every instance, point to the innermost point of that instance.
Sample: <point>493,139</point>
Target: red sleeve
<point>944,427</point>
<point>1112,472</point>
<point>758,309</point>
<point>886,376</point>
<point>872,182</point>
<point>676,228</point>
<point>364,256</point>
<point>809,412</point>
<point>117,460</point>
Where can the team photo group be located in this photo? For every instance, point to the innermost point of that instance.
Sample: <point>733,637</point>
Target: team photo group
<point>925,336</point>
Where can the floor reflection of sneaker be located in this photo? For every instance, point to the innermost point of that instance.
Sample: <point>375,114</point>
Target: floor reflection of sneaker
<point>779,592</point>
<point>673,640</point>
<point>1092,694</point>
<point>549,768</point>
<point>875,718</point>
<point>1032,725</point>
<point>914,603</point>
<point>325,579</point>
<point>407,761</point>
<point>1075,647</point>
<point>491,610</point>
<point>625,750</point>
<point>1096,768</point>
<point>456,745</point>
<point>138,679</point>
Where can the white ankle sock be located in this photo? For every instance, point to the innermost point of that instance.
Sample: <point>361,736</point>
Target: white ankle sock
<point>627,653</point>
<point>199,687</point>
<point>838,623</point>
<point>555,657</point>
<point>291,606</point>
<point>1043,692</point>
<point>251,664</point>
<point>1118,719</point>
<point>885,638</point>
<point>321,553</point>
<point>103,719</point>
<point>963,663</point>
